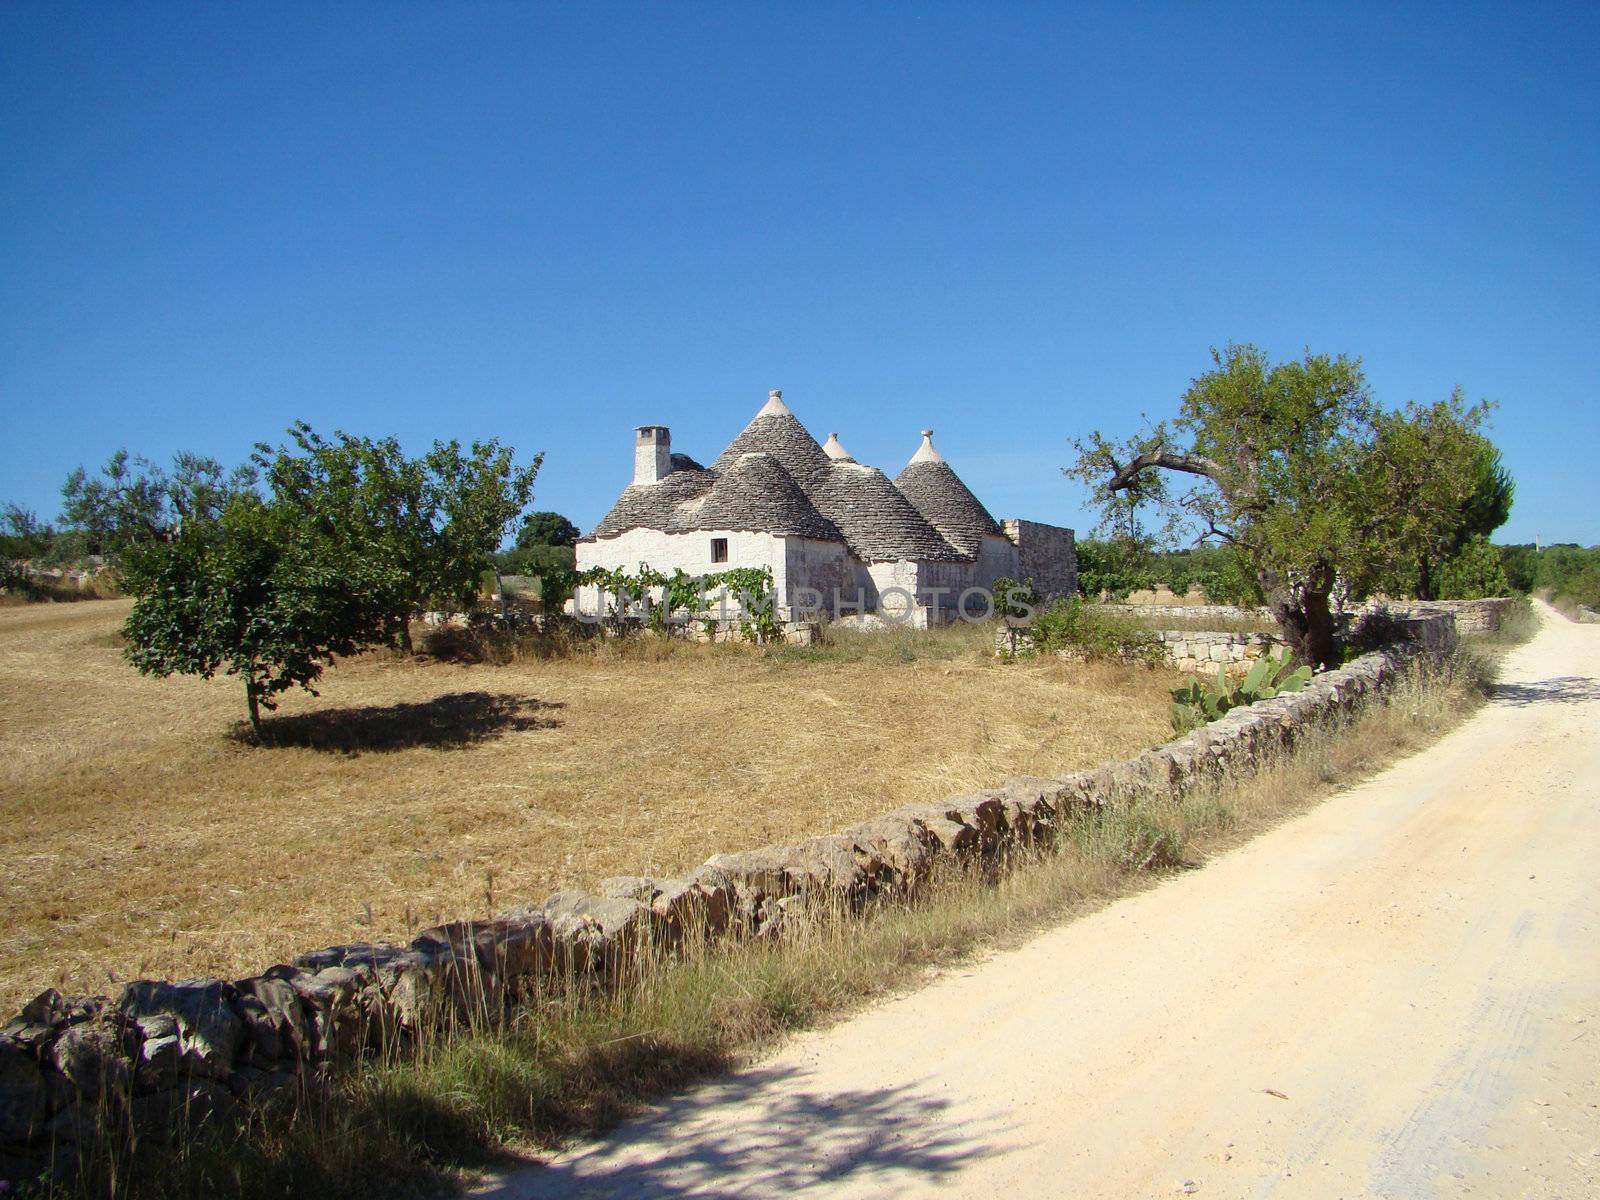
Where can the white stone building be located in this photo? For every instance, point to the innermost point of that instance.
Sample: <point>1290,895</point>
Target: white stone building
<point>838,536</point>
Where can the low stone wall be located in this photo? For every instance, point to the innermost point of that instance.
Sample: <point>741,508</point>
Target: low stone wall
<point>202,1047</point>
<point>1198,651</point>
<point>1197,613</point>
<point>1471,616</point>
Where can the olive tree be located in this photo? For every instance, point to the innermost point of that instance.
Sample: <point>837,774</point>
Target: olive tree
<point>1296,467</point>
<point>133,501</point>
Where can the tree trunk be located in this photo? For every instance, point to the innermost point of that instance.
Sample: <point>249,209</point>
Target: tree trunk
<point>1307,626</point>
<point>405,634</point>
<point>255,706</point>
<point>1424,579</point>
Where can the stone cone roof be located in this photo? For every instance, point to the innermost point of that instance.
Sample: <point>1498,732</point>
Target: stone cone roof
<point>835,450</point>
<point>878,522</point>
<point>780,434</point>
<point>774,477</point>
<point>756,493</point>
<point>944,501</point>
<point>658,505</point>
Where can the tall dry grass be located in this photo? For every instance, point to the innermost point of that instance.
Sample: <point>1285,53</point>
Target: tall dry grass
<point>579,1061</point>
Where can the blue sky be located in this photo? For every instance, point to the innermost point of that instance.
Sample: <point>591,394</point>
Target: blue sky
<point>1011,223</point>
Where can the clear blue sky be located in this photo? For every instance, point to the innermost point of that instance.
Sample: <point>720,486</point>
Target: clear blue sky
<point>1013,223</point>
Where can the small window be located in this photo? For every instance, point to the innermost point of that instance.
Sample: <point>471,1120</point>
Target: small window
<point>719,549</point>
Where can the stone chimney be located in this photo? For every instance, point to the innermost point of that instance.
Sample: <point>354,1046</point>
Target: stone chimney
<point>652,453</point>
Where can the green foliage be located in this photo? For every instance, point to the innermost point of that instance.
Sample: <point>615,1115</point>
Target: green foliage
<point>22,535</point>
<point>669,601</point>
<point>1563,572</point>
<point>423,529</point>
<point>546,529</point>
<point>536,560</point>
<point>1085,630</point>
<point>1297,468</point>
<point>1197,703</point>
<point>1112,567</point>
<point>1218,571</point>
<point>1520,564</point>
<point>134,501</point>
<point>1015,600</point>
<point>259,592</point>
<point>1473,572</point>
<point>1455,489</point>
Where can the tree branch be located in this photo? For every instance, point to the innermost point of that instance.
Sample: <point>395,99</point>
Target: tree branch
<point>1191,464</point>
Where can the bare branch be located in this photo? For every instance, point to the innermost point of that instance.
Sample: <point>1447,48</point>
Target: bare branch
<point>1190,464</point>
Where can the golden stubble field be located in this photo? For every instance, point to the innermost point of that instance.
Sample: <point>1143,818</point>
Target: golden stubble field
<point>140,836</point>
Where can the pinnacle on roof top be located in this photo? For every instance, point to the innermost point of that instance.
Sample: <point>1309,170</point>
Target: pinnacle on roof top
<point>774,407</point>
<point>926,452</point>
<point>834,450</point>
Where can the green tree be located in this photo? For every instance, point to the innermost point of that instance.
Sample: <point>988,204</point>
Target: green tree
<point>424,529</point>
<point>1285,468</point>
<point>134,501</point>
<point>1467,496</point>
<point>1473,572</point>
<point>22,534</point>
<point>1521,565</point>
<point>546,529</point>
<point>1111,567</point>
<point>257,591</point>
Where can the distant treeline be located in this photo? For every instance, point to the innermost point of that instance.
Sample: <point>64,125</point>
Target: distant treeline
<point>1562,572</point>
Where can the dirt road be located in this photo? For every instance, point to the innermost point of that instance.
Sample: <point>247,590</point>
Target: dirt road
<point>1395,995</point>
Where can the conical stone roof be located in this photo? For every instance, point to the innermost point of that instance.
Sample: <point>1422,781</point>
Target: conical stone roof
<point>944,501</point>
<point>776,431</point>
<point>775,477</point>
<point>756,493</point>
<point>878,522</point>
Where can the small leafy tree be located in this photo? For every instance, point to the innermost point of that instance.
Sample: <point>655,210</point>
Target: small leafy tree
<point>1112,567</point>
<point>1456,489</point>
<point>258,592</point>
<point>424,529</point>
<point>22,534</point>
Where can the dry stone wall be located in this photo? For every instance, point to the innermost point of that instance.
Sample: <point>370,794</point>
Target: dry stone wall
<point>206,1047</point>
<point>1471,616</point>
<point>1199,651</point>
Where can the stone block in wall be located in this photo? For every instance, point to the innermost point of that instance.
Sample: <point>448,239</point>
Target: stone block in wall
<point>596,934</point>
<point>953,836</point>
<point>208,1031</point>
<point>905,846</point>
<point>275,1021</point>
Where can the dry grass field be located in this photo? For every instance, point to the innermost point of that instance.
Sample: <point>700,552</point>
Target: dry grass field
<point>142,836</point>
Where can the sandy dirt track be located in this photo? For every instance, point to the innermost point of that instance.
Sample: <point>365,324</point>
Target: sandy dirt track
<point>1394,995</point>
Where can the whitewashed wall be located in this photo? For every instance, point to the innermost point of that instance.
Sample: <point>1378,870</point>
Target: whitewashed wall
<point>666,551</point>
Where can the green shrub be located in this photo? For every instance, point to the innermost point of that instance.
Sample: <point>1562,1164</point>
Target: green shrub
<point>1084,630</point>
<point>1474,572</point>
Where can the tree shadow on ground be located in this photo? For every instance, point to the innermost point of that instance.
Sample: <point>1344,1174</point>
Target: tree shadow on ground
<point>762,1132</point>
<point>454,721</point>
<point>1564,689</point>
